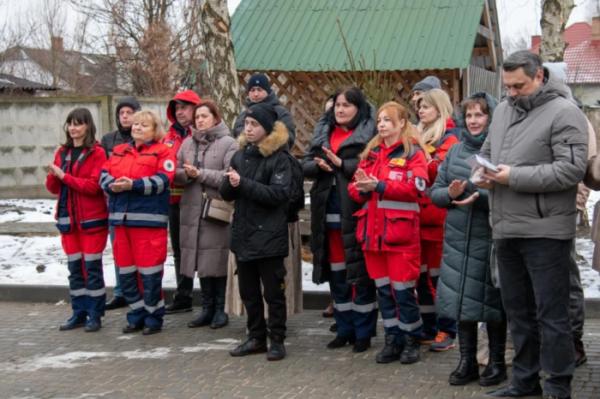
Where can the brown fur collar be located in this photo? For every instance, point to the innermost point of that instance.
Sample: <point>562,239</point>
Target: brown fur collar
<point>273,142</point>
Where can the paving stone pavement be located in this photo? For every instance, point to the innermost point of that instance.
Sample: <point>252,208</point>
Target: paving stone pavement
<point>38,362</point>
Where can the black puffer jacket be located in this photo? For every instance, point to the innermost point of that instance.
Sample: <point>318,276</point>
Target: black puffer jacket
<point>121,135</point>
<point>260,228</point>
<point>465,290</point>
<point>319,195</point>
<point>283,115</point>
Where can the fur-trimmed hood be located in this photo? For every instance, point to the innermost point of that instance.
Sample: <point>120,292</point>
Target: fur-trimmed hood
<point>272,143</point>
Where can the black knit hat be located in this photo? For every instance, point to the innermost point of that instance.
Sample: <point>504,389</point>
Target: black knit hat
<point>265,114</point>
<point>260,80</point>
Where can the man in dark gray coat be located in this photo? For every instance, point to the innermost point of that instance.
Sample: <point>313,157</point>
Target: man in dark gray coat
<point>538,140</point>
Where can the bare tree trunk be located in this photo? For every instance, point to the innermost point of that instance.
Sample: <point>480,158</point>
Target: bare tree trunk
<point>555,14</point>
<point>222,83</point>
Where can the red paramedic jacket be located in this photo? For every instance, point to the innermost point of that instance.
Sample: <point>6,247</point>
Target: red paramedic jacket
<point>84,200</point>
<point>174,138</point>
<point>389,218</point>
<point>432,217</point>
<point>151,166</point>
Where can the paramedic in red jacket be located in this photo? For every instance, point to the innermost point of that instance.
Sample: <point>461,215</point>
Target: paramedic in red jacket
<point>136,178</point>
<point>438,135</point>
<point>389,182</point>
<point>180,113</point>
<point>81,217</point>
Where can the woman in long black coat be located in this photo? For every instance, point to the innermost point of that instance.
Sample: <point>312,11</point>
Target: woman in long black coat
<point>339,137</point>
<point>465,291</point>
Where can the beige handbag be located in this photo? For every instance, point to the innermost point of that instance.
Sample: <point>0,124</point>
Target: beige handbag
<point>217,210</point>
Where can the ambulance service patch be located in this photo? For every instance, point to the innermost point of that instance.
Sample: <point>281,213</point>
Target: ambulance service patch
<point>169,165</point>
<point>420,183</point>
<point>397,162</point>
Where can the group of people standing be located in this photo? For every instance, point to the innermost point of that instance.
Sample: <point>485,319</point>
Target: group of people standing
<point>402,219</point>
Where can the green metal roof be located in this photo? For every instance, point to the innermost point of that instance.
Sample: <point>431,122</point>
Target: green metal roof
<point>302,35</point>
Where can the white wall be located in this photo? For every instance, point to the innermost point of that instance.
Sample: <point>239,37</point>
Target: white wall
<point>31,129</point>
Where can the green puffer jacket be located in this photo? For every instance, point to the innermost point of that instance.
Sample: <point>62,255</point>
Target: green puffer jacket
<point>465,290</point>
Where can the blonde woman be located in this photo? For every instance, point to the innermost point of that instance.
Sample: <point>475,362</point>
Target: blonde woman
<point>438,135</point>
<point>136,178</point>
<point>389,182</point>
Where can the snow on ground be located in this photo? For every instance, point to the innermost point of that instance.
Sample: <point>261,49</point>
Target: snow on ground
<point>29,211</point>
<point>41,261</point>
<point>75,359</point>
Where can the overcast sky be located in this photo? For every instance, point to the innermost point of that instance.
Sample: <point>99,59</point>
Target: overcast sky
<point>518,18</point>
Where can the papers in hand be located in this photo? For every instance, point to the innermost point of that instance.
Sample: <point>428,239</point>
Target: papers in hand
<point>477,161</point>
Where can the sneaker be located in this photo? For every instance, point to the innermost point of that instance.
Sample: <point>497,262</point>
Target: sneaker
<point>443,342</point>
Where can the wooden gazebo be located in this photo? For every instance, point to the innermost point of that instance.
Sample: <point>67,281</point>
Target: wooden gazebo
<point>306,46</point>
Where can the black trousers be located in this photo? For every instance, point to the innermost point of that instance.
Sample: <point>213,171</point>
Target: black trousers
<point>271,272</point>
<point>534,280</point>
<point>185,284</point>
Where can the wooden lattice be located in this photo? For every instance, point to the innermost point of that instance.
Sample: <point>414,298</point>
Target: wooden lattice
<point>305,93</point>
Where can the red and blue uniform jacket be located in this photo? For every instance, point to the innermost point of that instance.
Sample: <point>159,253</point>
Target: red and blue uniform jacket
<point>177,134</point>
<point>81,202</point>
<point>151,166</point>
<point>389,218</point>
<point>432,217</point>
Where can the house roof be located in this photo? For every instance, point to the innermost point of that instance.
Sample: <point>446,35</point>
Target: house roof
<point>10,82</point>
<point>89,73</point>
<point>292,35</point>
<point>582,54</point>
<point>583,62</point>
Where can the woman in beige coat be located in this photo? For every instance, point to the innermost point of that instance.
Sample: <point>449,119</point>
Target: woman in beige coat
<point>202,160</point>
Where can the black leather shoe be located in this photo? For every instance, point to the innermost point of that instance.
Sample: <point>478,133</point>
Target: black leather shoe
<point>72,324</point>
<point>361,345</point>
<point>276,351</point>
<point>93,325</point>
<point>510,391</point>
<point>130,328</point>
<point>151,330</point>
<point>411,352</point>
<point>116,303</point>
<point>339,342</point>
<point>249,347</point>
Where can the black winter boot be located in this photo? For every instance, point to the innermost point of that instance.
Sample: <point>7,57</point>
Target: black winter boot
<point>391,351</point>
<point>467,369</point>
<point>220,318</point>
<point>412,351</point>
<point>208,304</point>
<point>495,371</point>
